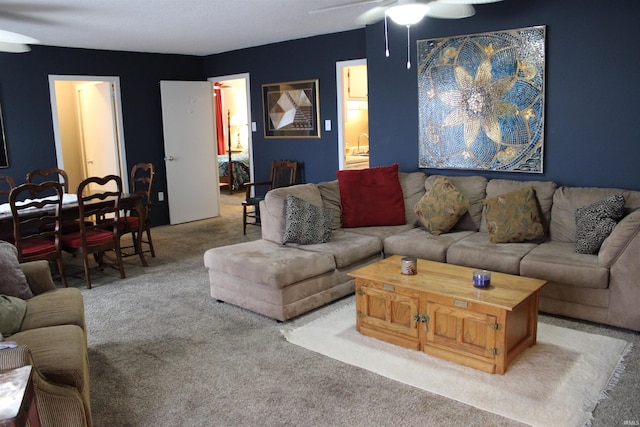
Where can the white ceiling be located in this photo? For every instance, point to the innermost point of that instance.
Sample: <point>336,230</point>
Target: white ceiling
<point>196,27</point>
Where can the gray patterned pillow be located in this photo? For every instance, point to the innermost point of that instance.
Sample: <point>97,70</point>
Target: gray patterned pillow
<point>595,222</point>
<point>306,224</point>
<point>12,280</point>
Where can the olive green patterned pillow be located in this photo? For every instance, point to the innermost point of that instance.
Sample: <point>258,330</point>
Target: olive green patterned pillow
<point>514,217</point>
<point>441,207</point>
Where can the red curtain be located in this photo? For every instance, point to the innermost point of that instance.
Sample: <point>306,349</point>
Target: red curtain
<point>219,123</point>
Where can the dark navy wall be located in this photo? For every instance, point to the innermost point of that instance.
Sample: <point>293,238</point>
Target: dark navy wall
<point>592,128</point>
<point>305,59</point>
<point>592,91</point>
<point>26,107</point>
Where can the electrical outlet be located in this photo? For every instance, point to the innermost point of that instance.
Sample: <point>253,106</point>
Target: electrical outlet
<point>160,196</point>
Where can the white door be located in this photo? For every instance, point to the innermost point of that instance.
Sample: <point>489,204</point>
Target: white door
<point>190,150</point>
<point>99,141</point>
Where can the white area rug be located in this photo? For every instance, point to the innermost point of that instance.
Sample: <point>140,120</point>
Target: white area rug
<point>557,382</point>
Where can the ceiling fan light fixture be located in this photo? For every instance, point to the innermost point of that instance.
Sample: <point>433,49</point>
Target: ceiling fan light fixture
<point>14,47</point>
<point>11,37</point>
<point>407,13</point>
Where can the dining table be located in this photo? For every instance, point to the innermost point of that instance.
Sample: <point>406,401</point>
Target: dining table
<point>70,211</point>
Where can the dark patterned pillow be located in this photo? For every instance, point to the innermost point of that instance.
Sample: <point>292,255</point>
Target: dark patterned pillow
<point>305,223</point>
<point>595,222</point>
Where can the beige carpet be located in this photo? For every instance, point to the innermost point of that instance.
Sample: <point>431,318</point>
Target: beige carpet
<point>558,382</point>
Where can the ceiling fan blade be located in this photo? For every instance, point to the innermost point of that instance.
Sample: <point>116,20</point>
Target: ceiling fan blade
<point>343,6</point>
<point>447,10</point>
<point>11,37</point>
<point>372,15</point>
<point>14,47</point>
<point>467,1</point>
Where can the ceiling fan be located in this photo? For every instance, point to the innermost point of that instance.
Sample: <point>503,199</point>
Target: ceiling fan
<point>409,12</point>
<point>15,42</point>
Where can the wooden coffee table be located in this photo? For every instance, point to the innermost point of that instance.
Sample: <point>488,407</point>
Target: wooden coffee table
<point>440,312</point>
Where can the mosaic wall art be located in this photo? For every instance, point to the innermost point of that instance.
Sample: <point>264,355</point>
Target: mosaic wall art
<point>481,101</point>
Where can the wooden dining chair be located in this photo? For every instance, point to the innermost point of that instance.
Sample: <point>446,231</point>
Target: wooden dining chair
<point>59,175</point>
<point>99,213</point>
<point>36,223</point>
<point>40,175</point>
<point>283,174</point>
<point>140,183</point>
<point>6,185</point>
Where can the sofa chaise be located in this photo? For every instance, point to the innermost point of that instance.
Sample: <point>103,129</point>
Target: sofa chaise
<point>282,279</point>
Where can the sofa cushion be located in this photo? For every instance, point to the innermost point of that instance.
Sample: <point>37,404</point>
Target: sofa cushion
<point>544,195</point>
<point>420,243</point>
<point>64,306</point>
<point>557,262</point>
<point>330,194</point>
<point>473,188</point>
<point>478,252</point>
<point>273,208</point>
<point>371,197</point>
<point>12,280</point>
<point>12,310</point>
<point>566,200</point>
<point>305,223</point>
<point>348,248</point>
<point>60,353</point>
<point>262,261</point>
<point>514,217</point>
<point>381,232</point>
<point>412,185</point>
<point>595,222</point>
<point>626,230</point>
<point>441,207</point>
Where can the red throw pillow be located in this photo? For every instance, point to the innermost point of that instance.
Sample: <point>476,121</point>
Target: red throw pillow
<point>371,197</point>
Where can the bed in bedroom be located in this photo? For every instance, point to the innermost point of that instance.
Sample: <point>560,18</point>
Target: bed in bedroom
<point>234,170</point>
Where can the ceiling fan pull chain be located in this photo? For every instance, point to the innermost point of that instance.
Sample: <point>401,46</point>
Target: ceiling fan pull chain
<point>386,36</point>
<point>408,47</point>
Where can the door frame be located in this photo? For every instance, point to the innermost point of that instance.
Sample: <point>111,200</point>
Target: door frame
<point>251,124</point>
<point>117,101</point>
<point>340,65</point>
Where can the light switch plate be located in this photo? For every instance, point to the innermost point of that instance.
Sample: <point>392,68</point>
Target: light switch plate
<point>253,127</point>
<point>327,125</point>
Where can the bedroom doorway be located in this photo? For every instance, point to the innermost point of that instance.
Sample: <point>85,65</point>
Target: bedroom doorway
<point>232,110</point>
<point>353,114</point>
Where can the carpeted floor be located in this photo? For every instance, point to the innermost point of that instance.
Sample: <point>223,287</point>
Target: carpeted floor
<point>557,382</point>
<point>163,353</point>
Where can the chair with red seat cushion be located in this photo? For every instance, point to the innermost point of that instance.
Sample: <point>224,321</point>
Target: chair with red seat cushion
<point>140,182</point>
<point>36,222</point>
<point>55,174</point>
<point>99,198</point>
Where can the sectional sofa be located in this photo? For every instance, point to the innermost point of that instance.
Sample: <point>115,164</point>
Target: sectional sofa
<point>282,279</point>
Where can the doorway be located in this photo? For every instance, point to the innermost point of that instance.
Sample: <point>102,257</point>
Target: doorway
<point>87,127</point>
<point>234,113</point>
<point>353,114</point>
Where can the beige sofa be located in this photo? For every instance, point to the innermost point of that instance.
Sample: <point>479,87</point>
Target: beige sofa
<point>52,338</point>
<point>283,281</point>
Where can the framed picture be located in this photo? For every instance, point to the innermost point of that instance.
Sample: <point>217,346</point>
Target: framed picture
<point>481,101</point>
<point>291,109</point>
<point>4,160</point>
